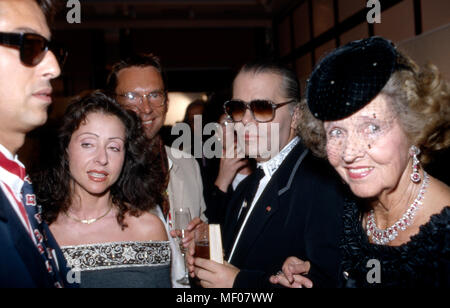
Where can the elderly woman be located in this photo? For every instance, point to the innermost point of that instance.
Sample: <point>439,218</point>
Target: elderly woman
<point>378,118</point>
<point>97,196</point>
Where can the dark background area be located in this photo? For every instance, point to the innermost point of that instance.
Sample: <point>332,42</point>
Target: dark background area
<point>200,43</point>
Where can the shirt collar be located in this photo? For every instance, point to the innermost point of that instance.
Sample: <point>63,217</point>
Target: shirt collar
<point>170,162</point>
<point>12,171</point>
<point>275,162</point>
<point>7,153</point>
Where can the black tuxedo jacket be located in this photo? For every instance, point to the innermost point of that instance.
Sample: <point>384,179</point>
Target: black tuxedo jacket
<point>298,214</point>
<point>21,265</point>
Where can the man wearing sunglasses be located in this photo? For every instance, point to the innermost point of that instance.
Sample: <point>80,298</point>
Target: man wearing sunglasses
<point>290,205</point>
<point>29,255</point>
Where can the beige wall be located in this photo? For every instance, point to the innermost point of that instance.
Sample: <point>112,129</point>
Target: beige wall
<point>431,47</point>
<point>284,37</point>
<point>301,25</point>
<point>397,24</point>
<point>323,16</point>
<point>349,7</point>
<point>435,13</point>
<point>359,32</point>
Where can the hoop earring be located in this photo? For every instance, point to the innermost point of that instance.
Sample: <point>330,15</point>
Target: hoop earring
<point>415,175</point>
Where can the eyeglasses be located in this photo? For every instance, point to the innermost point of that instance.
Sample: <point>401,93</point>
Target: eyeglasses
<point>33,47</point>
<point>155,98</point>
<point>261,110</point>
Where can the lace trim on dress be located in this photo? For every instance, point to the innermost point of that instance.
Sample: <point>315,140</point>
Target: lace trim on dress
<point>117,255</point>
<point>417,262</point>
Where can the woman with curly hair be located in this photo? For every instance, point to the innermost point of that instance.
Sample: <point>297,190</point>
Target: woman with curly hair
<point>97,195</point>
<point>378,118</point>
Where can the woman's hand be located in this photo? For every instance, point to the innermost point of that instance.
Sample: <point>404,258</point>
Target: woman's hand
<point>292,274</point>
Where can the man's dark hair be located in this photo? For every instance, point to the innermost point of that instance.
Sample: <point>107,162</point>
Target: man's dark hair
<point>290,84</point>
<point>48,7</point>
<point>139,60</point>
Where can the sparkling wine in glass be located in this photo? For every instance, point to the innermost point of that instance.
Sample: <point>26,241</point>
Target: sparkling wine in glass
<point>182,219</point>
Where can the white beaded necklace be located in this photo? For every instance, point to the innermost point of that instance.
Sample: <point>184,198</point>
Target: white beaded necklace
<point>382,237</point>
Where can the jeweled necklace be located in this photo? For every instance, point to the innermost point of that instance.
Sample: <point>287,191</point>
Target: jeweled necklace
<point>88,221</point>
<point>382,237</point>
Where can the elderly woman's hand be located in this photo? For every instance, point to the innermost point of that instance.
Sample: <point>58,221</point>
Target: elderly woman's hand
<point>292,273</point>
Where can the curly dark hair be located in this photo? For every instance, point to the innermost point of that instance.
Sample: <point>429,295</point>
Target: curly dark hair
<point>140,185</point>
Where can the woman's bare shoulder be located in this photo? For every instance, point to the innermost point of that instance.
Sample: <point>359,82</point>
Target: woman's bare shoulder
<point>148,226</point>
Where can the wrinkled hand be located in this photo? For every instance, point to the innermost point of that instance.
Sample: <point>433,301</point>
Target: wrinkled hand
<point>213,274</point>
<point>292,275</point>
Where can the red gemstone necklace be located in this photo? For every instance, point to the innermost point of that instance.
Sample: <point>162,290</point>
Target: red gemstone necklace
<point>384,236</point>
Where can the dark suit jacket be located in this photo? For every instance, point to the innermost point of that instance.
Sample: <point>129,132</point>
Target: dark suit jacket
<point>298,214</point>
<point>21,265</point>
<point>216,204</point>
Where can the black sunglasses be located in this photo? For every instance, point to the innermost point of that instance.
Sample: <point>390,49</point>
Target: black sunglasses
<point>33,47</point>
<point>261,110</point>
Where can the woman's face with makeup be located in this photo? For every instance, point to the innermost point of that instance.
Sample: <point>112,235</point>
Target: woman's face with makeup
<point>96,153</point>
<point>369,149</point>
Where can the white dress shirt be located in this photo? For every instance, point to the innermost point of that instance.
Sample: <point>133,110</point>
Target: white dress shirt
<point>238,179</point>
<point>269,167</point>
<point>15,184</point>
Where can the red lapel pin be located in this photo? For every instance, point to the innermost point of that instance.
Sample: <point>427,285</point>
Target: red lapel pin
<point>268,209</point>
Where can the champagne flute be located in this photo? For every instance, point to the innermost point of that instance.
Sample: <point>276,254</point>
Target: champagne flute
<point>182,219</point>
<point>201,239</point>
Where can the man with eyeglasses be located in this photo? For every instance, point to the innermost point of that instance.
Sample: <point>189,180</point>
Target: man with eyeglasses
<point>291,204</point>
<point>139,84</point>
<point>29,255</point>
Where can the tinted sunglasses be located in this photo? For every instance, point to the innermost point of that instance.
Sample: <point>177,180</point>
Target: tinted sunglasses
<point>261,110</point>
<point>33,47</point>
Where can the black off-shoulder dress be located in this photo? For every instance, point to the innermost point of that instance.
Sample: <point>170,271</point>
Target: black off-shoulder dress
<point>422,262</point>
<point>121,264</point>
